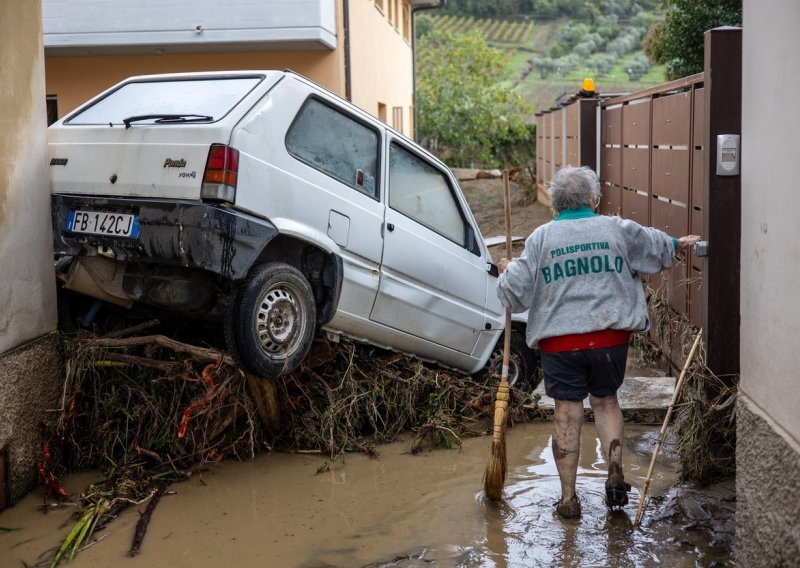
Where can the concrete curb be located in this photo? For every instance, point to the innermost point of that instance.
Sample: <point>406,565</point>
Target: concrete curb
<point>644,400</point>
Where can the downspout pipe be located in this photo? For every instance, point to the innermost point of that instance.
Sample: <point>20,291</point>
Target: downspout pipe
<point>348,87</point>
<point>416,7</point>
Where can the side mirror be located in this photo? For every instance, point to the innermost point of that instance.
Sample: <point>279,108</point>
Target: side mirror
<point>492,269</point>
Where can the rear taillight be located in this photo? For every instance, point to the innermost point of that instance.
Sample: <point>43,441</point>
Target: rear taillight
<point>222,170</point>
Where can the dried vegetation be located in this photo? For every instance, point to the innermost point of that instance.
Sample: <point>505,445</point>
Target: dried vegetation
<point>705,413</point>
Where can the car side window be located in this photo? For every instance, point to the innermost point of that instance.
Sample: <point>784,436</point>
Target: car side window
<point>335,144</point>
<point>423,193</point>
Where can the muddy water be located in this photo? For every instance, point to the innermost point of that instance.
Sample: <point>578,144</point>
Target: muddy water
<point>397,510</point>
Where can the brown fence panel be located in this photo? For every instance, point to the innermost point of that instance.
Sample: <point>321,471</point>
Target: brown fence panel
<point>558,140</point>
<point>697,213</point>
<point>548,145</point>
<point>568,137</point>
<point>650,156</point>
<point>636,123</point>
<point>636,206</point>
<point>670,174</point>
<point>610,170</point>
<point>611,180</point>
<point>671,178</point>
<point>672,119</point>
<point>611,126</point>
<point>539,149</point>
<point>572,131</point>
<point>636,172</point>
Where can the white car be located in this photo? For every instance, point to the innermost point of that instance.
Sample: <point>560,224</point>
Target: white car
<point>262,200</point>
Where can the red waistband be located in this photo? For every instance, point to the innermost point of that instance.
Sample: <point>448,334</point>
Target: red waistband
<point>592,340</point>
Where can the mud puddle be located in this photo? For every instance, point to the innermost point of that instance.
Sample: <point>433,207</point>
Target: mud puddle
<point>397,510</point>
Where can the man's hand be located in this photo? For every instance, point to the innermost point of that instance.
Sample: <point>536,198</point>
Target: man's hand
<point>686,242</point>
<point>502,264</point>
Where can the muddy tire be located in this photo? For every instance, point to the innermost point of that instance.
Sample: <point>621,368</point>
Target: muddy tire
<point>523,364</point>
<point>270,323</point>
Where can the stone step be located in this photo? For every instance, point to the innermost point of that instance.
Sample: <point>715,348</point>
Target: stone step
<point>644,400</point>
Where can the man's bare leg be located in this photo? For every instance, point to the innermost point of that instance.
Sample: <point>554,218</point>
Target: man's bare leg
<point>567,421</point>
<point>609,423</point>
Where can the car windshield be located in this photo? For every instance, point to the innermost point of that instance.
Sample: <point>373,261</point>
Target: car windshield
<point>212,97</point>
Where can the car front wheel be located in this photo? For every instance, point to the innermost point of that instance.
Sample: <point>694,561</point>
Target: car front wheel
<point>270,324</point>
<point>523,363</point>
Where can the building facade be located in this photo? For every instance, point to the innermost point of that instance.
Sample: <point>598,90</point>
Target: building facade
<point>768,421</point>
<point>361,50</point>
<point>30,368</point>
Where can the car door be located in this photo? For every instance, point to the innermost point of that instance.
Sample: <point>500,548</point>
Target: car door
<point>333,184</point>
<point>433,281</point>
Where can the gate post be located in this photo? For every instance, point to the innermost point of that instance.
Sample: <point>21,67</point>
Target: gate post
<point>588,133</point>
<point>723,111</point>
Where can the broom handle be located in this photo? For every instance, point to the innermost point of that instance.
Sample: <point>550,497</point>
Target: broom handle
<point>664,427</point>
<point>507,337</point>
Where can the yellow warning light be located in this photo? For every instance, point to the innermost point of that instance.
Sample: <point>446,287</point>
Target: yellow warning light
<point>588,85</point>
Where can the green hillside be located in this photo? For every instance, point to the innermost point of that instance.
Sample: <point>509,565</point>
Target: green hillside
<point>551,56</point>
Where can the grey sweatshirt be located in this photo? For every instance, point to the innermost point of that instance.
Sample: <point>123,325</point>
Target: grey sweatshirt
<point>580,273</point>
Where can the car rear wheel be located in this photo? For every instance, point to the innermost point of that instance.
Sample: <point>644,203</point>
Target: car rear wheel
<point>270,325</point>
<point>523,363</point>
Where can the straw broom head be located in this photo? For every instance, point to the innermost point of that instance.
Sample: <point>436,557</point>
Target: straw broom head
<point>494,478</point>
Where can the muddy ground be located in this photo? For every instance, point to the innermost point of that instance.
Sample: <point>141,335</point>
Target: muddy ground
<point>398,510</point>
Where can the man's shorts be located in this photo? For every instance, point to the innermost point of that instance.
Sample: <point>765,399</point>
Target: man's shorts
<point>572,375</point>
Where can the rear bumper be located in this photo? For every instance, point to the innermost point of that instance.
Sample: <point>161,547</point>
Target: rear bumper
<point>172,232</point>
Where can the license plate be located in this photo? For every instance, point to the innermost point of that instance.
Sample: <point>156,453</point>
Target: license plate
<point>103,223</point>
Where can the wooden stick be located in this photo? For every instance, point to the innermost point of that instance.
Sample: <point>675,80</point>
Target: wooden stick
<point>664,427</point>
<point>133,329</point>
<point>144,520</point>
<point>201,353</point>
<point>494,478</point>
<point>165,366</point>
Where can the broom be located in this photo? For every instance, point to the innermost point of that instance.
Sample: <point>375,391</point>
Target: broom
<point>495,475</point>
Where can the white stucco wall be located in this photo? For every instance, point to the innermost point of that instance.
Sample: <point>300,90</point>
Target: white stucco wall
<point>770,306</point>
<point>30,365</point>
<point>27,285</point>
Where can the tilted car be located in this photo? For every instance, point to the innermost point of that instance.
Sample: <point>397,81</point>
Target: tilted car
<point>266,202</point>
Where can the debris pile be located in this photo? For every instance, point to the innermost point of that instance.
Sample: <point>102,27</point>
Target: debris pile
<point>149,411</point>
<point>705,413</point>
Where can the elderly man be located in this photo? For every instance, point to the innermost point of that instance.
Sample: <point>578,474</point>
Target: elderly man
<point>579,279</point>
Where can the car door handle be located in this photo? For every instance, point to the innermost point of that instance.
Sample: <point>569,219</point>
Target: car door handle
<point>390,226</point>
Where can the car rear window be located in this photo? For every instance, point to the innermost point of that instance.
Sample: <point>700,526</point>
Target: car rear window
<point>212,97</point>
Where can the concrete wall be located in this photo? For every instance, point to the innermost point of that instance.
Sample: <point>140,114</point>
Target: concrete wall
<point>28,374</point>
<point>768,448</point>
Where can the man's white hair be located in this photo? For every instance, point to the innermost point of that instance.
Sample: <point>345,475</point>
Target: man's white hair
<point>572,187</point>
